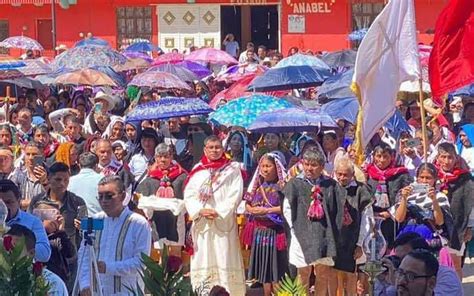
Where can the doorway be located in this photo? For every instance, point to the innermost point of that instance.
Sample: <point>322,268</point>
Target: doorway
<point>45,33</point>
<point>265,26</point>
<point>251,23</point>
<point>231,22</point>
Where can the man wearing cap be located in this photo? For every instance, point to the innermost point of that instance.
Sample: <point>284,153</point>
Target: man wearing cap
<point>10,195</point>
<point>103,104</point>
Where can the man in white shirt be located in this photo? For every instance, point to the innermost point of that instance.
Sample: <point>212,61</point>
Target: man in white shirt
<point>118,247</point>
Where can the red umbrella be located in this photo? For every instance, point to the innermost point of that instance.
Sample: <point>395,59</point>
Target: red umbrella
<point>168,58</point>
<point>239,89</point>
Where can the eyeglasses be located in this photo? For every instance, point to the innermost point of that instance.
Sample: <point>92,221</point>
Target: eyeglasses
<point>106,196</point>
<point>409,276</point>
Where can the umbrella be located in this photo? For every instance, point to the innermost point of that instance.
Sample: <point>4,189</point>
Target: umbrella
<point>302,60</point>
<point>25,82</point>
<point>337,86</point>
<point>468,90</point>
<point>211,55</point>
<point>9,74</point>
<point>290,77</point>
<point>35,67</point>
<point>291,120</point>
<point>89,56</point>
<point>118,78</point>
<point>92,41</point>
<point>132,64</point>
<point>358,35</point>
<point>142,47</point>
<point>243,111</point>
<point>168,58</point>
<point>198,69</point>
<point>21,42</point>
<point>236,72</point>
<point>160,80</point>
<point>8,64</point>
<point>343,58</point>
<point>138,55</point>
<point>239,89</point>
<point>50,77</point>
<point>348,108</point>
<point>85,77</point>
<point>180,72</point>
<point>168,107</point>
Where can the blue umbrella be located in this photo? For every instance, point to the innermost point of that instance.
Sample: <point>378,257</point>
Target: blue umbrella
<point>243,111</point>
<point>348,108</point>
<point>467,90</point>
<point>116,77</point>
<point>143,46</point>
<point>169,107</point>
<point>337,86</point>
<point>358,35</point>
<point>292,120</point>
<point>290,77</point>
<point>11,64</point>
<point>343,58</point>
<point>92,41</point>
<point>302,60</point>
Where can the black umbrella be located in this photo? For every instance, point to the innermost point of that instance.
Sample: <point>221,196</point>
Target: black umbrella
<point>343,58</point>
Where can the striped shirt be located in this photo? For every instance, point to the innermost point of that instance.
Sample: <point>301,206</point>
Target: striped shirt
<point>28,187</point>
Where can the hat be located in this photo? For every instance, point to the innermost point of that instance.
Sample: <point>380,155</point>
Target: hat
<point>108,98</point>
<point>61,47</point>
<point>119,143</point>
<point>267,60</point>
<point>151,133</point>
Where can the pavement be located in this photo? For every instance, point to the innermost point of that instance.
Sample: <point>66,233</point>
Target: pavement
<point>468,279</point>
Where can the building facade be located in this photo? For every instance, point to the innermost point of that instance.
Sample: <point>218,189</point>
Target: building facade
<point>316,25</point>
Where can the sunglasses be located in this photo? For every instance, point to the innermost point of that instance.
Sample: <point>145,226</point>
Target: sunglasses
<point>106,196</point>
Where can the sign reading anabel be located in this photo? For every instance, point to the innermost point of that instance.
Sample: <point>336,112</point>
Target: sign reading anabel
<point>310,6</point>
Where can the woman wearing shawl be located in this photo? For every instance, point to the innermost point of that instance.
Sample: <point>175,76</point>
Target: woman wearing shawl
<point>464,145</point>
<point>164,181</point>
<point>238,149</point>
<point>456,182</point>
<point>385,179</point>
<point>115,130</point>
<point>421,208</point>
<point>133,133</point>
<point>264,230</point>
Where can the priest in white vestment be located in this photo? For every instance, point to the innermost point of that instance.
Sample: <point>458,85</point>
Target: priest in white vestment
<point>212,194</point>
<point>118,247</point>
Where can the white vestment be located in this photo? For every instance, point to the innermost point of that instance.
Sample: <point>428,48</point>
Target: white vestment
<point>120,245</point>
<point>217,259</point>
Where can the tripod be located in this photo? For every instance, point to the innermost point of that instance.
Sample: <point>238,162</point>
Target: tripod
<point>94,275</point>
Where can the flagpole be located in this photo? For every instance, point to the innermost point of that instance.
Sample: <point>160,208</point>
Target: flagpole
<point>423,120</point>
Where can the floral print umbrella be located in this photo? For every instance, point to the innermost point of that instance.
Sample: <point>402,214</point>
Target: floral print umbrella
<point>88,56</point>
<point>169,107</point>
<point>243,111</point>
<point>21,42</point>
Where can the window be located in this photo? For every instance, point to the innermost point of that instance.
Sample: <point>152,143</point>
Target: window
<point>133,23</point>
<point>3,34</point>
<point>363,15</point>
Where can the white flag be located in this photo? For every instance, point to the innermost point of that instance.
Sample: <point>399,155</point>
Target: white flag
<point>387,56</point>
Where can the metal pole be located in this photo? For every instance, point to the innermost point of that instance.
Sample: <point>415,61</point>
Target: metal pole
<point>53,23</point>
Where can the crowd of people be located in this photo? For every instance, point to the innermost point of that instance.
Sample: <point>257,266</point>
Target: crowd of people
<point>247,208</point>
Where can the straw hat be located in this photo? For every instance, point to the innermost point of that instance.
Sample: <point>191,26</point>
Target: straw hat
<point>106,97</point>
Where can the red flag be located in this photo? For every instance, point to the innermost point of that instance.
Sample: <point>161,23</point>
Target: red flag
<point>452,58</point>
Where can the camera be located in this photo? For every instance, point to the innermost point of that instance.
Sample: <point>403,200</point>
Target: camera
<point>419,188</point>
<point>91,224</point>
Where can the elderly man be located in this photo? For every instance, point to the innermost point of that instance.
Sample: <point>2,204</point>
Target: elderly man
<point>212,194</point>
<point>165,184</point>
<point>108,164</point>
<point>310,210</point>
<point>10,195</point>
<point>125,236</point>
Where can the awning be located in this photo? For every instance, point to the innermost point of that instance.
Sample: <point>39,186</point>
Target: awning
<point>62,3</point>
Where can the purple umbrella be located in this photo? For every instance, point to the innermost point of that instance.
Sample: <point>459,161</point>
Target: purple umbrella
<point>198,69</point>
<point>21,42</point>
<point>180,72</point>
<point>161,80</point>
<point>138,55</point>
<point>211,55</point>
<point>35,67</point>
